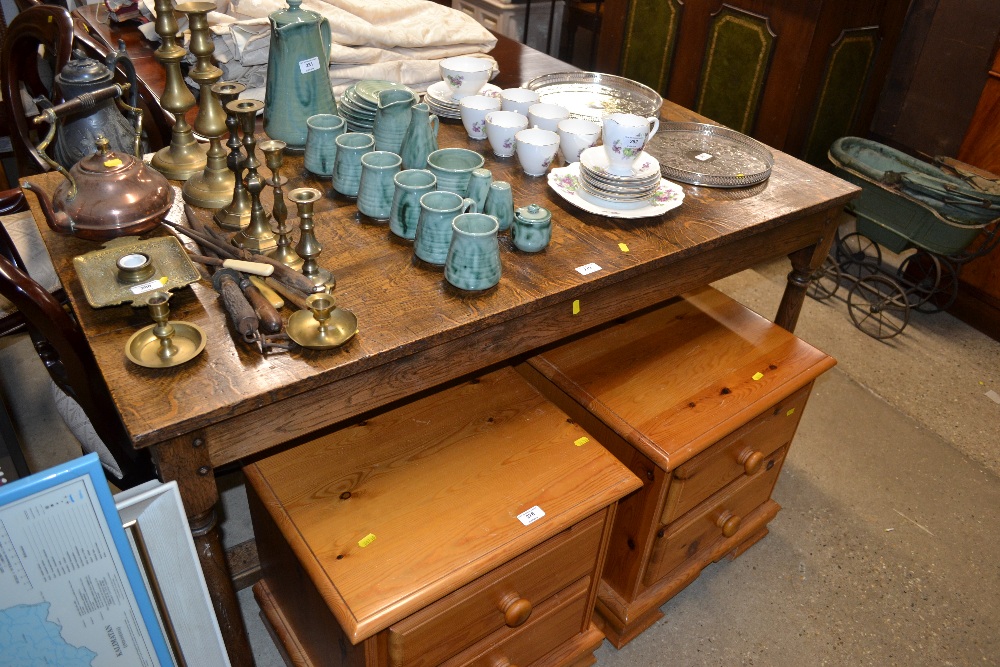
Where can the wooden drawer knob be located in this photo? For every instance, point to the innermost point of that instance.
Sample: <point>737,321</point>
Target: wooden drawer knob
<point>729,523</point>
<point>516,610</point>
<point>751,460</point>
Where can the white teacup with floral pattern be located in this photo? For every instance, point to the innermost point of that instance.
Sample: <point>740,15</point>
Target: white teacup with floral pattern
<point>536,148</point>
<point>473,110</point>
<point>501,127</point>
<point>625,136</point>
<point>466,75</point>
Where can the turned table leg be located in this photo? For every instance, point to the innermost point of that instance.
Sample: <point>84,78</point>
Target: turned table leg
<point>804,263</point>
<point>186,461</point>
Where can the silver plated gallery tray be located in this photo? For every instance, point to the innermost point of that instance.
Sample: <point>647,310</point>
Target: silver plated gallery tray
<point>593,95</point>
<point>710,155</point>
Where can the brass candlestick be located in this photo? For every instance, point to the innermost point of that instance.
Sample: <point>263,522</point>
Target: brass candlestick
<point>309,247</point>
<point>213,188</point>
<point>165,343</point>
<point>183,158</point>
<point>236,215</point>
<point>257,235</point>
<point>273,150</point>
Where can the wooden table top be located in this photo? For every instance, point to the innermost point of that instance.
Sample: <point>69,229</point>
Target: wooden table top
<point>415,330</point>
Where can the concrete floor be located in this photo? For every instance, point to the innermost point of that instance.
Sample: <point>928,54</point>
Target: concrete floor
<point>884,552</point>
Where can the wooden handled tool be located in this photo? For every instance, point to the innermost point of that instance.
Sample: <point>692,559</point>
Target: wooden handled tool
<point>241,313</point>
<point>243,266</point>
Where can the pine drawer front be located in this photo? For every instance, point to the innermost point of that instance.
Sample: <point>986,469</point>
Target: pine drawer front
<point>716,519</point>
<point>559,619</point>
<point>741,453</point>
<point>502,600</point>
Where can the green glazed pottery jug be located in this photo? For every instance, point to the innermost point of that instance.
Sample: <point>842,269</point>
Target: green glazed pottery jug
<point>420,139</point>
<point>392,118</point>
<point>298,74</point>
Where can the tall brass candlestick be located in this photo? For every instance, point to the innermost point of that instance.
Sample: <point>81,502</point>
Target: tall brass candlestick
<point>309,246</point>
<point>273,150</point>
<point>213,188</point>
<point>236,215</point>
<point>183,158</point>
<point>257,236</point>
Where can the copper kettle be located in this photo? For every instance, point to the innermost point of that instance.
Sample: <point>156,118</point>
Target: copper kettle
<point>106,194</point>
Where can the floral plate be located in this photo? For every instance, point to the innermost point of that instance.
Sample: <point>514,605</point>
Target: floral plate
<point>566,182</point>
<point>595,160</point>
<point>441,94</point>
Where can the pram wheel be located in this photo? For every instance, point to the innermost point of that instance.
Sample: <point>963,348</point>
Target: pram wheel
<point>921,274</point>
<point>878,306</point>
<point>858,255</point>
<point>823,283</point>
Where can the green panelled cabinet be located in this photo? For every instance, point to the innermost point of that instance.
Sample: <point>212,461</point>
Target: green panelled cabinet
<point>795,74</point>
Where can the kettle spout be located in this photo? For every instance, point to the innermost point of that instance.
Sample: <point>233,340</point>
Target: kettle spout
<point>58,221</point>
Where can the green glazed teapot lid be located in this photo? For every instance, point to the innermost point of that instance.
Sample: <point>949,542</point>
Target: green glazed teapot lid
<point>533,213</point>
<point>294,14</point>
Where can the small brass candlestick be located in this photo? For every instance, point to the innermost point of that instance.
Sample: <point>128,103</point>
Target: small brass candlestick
<point>273,150</point>
<point>183,158</point>
<point>236,215</point>
<point>165,343</point>
<point>213,188</point>
<point>257,235</point>
<point>309,247</point>
<point>322,325</point>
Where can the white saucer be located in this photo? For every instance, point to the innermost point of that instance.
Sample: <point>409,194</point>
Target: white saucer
<point>595,159</point>
<point>566,182</point>
<point>441,93</point>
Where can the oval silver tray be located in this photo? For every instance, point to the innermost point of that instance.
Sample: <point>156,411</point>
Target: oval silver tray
<point>593,95</point>
<point>710,155</point>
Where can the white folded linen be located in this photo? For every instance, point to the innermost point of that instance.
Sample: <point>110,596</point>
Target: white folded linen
<point>395,40</point>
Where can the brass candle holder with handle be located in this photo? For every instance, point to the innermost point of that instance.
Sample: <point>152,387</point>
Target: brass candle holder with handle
<point>165,343</point>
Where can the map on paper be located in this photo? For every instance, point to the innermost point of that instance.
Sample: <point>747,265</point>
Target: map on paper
<point>66,596</point>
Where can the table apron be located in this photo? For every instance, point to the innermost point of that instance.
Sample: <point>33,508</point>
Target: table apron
<point>282,422</point>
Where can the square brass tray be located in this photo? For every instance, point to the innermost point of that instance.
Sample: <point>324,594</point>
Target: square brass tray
<point>98,270</point>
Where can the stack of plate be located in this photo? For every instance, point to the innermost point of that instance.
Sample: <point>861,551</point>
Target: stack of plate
<point>442,104</point>
<point>597,180</point>
<point>359,103</point>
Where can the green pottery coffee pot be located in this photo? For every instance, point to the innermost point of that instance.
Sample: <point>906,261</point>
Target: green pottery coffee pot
<point>298,74</point>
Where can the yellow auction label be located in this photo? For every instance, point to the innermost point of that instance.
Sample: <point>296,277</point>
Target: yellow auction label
<point>576,306</point>
<point>623,247</point>
<point>113,163</point>
<point>790,412</point>
<point>579,442</point>
<point>366,540</point>
<point>758,375</point>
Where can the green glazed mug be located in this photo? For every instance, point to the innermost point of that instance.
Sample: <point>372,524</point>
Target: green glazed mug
<point>376,187</point>
<point>347,165</point>
<point>411,185</point>
<point>473,261</point>
<point>434,230</point>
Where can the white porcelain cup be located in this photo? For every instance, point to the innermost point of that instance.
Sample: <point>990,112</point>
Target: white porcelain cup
<point>466,75</point>
<point>518,99</point>
<point>474,109</point>
<point>501,127</point>
<point>575,136</point>
<point>547,116</point>
<point>536,148</point>
<point>625,136</point>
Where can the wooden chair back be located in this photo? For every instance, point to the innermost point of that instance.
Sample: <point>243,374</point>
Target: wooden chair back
<point>63,349</point>
<point>45,26</point>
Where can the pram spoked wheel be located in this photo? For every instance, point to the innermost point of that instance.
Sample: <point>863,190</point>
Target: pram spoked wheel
<point>858,255</point>
<point>931,281</point>
<point>878,306</point>
<point>825,281</point>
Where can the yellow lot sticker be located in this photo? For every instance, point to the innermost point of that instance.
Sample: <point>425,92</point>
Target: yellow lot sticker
<point>758,375</point>
<point>623,247</point>
<point>579,442</point>
<point>576,306</point>
<point>366,540</point>
<point>790,412</point>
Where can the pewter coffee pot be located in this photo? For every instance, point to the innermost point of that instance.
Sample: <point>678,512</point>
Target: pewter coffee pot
<point>77,133</point>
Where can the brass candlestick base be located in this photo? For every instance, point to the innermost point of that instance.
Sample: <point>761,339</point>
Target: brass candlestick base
<point>184,157</point>
<point>322,326</point>
<point>165,343</point>
<point>213,188</point>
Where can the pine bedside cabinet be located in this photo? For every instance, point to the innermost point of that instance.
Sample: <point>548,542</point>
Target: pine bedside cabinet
<point>467,527</point>
<point>700,398</point>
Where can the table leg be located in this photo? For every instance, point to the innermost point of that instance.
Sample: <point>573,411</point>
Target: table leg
<point>804,263</point>
<point>186,460</point>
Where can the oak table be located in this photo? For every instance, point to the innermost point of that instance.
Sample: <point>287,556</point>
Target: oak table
<point>231,403</point>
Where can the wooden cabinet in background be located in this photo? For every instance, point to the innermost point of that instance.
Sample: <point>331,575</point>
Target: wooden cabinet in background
<point>979,281</point>
<point>794,74</point>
